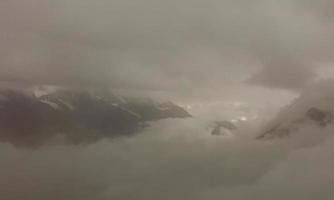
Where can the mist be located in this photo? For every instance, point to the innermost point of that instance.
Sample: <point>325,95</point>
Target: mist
<point>170,100</point>
<point>160,45</point>
<point>171,160</point>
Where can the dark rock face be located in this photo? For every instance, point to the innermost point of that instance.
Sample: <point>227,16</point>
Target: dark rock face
<point>23,119</point>
<point>277,131</point>
<point>150,110</point>
<point>322,117</point>
<point>313,115</point>
<point>79,116</point>
<point>227,125</point>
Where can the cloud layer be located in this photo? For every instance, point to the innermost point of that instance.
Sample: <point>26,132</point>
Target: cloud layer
<point>164,45</point>
<point>180,159</point>
<point>172,160</point>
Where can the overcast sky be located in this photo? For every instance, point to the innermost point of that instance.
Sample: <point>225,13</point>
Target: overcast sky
<point>174,45</point>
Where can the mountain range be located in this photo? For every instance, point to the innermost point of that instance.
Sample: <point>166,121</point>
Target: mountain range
<point>79,116</point>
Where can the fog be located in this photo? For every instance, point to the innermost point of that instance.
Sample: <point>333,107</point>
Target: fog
<point>180,159</point>
<point>171,160</point>
<point>165,45</point>
<point>261,64</point>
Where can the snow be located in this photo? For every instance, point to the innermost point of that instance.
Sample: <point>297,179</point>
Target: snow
<point>52,104</point>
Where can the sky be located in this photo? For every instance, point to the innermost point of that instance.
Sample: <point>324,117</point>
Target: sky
<point>181,46</point>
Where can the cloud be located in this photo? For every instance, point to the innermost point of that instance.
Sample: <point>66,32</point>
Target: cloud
<point>284,74</point>
<point>179,159</point>
<point>159,45</point>
<point>172,160</point>
<point>194,48</point>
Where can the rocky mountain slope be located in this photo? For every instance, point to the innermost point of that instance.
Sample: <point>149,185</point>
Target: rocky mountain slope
<point>80,116</point>
<point>313,110</point>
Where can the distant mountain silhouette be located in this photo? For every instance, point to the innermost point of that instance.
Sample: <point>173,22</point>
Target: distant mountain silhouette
<point>309,115</point>
<point>80,116</point>
<point>283,128</point>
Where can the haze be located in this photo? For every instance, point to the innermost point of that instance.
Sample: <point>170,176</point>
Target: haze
<point>258,64</point>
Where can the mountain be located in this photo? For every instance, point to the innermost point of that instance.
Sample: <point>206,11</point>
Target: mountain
<point>223,128</point>
<point>80,116</point>
<point>313,116</point>
<point>314,110</point>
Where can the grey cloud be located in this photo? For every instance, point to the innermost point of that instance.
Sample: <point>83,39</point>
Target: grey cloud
<point>284,74</point>
<point>189,47</point>
<point>169,161</point>
<point>159,45</point>
<point>179,159</point>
